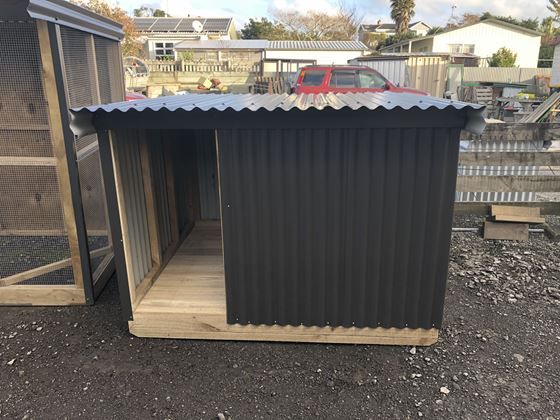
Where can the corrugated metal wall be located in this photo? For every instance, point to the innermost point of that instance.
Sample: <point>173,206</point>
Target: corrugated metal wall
<point>155,144</point>
<point>337,227</point>
<point>125,146</point>
<point>207,174</point>
<point>394,70</point>
<point>425,73</point>
<point>503,74</point>
<point>499,146</point>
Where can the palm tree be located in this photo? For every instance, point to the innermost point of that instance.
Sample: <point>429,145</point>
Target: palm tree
<point>401,12</point>
<point>554,7</point>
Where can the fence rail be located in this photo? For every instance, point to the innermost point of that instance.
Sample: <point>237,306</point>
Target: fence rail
<point>548,160</point>
<point>167,66</point>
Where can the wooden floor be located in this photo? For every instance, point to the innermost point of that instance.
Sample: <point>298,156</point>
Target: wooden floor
<point>188,301</point>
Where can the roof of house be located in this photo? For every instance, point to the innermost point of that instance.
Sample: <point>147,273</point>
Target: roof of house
<point>222,44</point>
<point>317,45</point>
<point>388,26</point>
<point>82,118</point>
<point>63,13</point>
<point>496,22</point>
<point>263,44</point>
<point>182,25</point>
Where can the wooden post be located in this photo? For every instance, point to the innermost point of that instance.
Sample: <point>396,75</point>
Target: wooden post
<point>170,181</point>
<point>60,152</point>
<point>151,209</point>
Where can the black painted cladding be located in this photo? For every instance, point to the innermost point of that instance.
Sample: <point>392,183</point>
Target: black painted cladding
<point>339,227</point>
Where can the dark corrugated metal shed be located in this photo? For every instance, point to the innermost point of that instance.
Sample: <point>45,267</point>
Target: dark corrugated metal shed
<point>335,212</point>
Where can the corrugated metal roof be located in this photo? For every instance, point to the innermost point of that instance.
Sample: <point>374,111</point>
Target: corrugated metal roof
<point>222,44</point>
<point>286,102</point>
<point>317,45</point>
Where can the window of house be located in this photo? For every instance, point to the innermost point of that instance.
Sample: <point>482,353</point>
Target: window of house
<point>313,77</point>
<point>369,79</point>
<point>343,79</point>
<point>164,51</point>
<point>461,48</point>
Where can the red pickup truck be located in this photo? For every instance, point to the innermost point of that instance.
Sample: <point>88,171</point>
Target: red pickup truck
<point>343,79</point>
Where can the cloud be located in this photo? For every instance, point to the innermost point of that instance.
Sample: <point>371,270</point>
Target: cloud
<point>434,12</point>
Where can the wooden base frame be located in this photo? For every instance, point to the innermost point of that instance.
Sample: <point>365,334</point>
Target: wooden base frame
<point>187,300</point>
<point>42,296</point>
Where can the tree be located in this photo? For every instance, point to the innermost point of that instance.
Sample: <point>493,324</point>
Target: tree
<point>554,7</point>
<point>393,39</point>
<point>145,11</point>
<point>129,44</point>
<point>312,26</point>
<point>401,12</point>
<point>263,29</point>
<point>530,23</point>
<point>504,57</point>
<point>435,30</point>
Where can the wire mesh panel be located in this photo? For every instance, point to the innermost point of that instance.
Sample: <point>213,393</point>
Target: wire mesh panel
<point>109,70</point>
<point>32,228</point>
<point>92,74</point>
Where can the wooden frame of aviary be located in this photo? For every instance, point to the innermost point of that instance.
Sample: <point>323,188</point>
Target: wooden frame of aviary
<point>66,267</point>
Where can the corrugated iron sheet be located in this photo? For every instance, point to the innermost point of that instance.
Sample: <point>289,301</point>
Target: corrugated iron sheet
<point>392,69</point>
<point>125,148</point>
<point>503,74</point>
<point>317,45</point>
<point>286,102</point>
<point>337,227</point>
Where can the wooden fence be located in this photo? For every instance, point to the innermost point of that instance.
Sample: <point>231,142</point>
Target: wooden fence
<point>167,66</point>
<point>548,181</point>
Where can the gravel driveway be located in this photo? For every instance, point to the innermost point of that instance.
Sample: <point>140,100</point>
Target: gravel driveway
<point>498,356</point>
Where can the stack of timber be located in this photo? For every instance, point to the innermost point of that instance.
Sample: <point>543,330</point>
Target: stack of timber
<point>268,85</point>
<point>545,112</point>
<point>511,222</point>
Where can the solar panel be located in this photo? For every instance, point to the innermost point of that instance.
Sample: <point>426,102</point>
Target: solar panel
<point>165,25</point>
<point>216,25</point>
<point>143,24</point>
<point>186,25</point>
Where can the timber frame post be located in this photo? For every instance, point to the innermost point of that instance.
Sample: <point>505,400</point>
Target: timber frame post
<point>63,145</point>
<point>108,171</point>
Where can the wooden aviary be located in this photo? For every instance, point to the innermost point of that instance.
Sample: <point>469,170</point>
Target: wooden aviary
<point>55,246</point>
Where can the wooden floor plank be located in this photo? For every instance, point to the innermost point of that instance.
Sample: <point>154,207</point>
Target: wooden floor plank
<point>188,301</point>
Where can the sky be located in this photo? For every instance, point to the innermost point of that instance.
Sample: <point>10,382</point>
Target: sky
<point>433,12</point>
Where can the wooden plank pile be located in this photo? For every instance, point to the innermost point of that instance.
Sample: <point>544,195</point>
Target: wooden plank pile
<point>545,112</point>
<point>511,222</point>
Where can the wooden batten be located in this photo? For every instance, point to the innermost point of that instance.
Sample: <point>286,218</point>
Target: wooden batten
<point>42,295</point>
<point>149,193</point>
<point>59,149</point>
<point>168,145</point>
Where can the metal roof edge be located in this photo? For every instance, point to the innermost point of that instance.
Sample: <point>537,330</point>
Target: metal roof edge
<point>82,119</point>
<point>67,14</point>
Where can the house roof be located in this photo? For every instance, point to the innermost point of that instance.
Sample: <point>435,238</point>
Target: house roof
<point>263,44</point>
<point>388,26</point>
<point>496,22</point>
<point>181,25</point>
<point>225,44</point>
<point>83,118</point>
<point>317,45</point>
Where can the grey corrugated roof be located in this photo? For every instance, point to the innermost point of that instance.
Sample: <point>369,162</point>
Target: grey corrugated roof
<point>221,44</point>
<point>286,102</point>
<point>171,24</point>
<point>317,45</point>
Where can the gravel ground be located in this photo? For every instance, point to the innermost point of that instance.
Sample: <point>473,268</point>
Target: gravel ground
<point>497,357</point>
